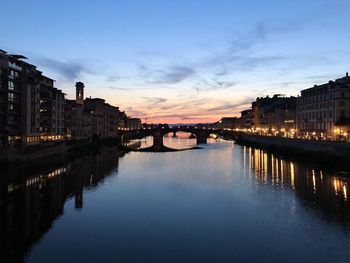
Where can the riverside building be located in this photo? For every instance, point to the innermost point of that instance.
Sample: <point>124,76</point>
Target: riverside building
<point>274,115</point>
<point>74,115</point>
<point>19,100</point>
<point>323,111</point>
<point>52,121</point>
<point>102,117</point>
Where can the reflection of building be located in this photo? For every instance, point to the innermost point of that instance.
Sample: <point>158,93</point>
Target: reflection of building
<point>29,206</point>
<point>328,191</point>
<point>324,110</point>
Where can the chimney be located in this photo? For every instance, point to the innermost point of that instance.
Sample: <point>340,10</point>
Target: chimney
<point>347,75</point>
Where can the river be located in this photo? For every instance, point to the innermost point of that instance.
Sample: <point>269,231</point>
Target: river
<point>221,203</point>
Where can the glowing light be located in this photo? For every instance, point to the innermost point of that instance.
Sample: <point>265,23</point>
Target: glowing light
<point>345,193</point>
<point>292,175</point>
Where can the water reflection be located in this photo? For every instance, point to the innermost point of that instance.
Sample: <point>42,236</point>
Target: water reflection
<point>324,189</point>
<point>182,140</point>
<point>179,141</point>
<point>31,203</point>
<point>216,201</point>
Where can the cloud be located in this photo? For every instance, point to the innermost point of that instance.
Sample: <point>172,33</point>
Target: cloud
<point>171,75</point>
<point>70,70</point>
<point>232,106</point>
<point>112,78</point>
<point>134,113</point>
<point>180,116</point>
<point>154,101</point>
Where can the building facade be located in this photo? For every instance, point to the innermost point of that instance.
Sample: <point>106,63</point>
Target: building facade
<point>228,123</point>
<point>133,123</point>
<point>102,117</point>
<point>52,111</point>
<point>74,115</point>
<point>19,101</point>
<point>246,119</point>
<point>323,111</point>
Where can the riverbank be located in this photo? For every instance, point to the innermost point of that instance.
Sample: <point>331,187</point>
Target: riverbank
<point>11,157</point>
<point>321,153</point>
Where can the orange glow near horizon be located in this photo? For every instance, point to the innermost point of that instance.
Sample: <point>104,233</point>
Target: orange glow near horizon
<point>176,120</point>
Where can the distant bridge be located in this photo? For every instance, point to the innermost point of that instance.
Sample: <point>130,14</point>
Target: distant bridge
<point>200,133</point>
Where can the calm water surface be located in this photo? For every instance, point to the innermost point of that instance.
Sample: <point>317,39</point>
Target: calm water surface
<point>222,203</point>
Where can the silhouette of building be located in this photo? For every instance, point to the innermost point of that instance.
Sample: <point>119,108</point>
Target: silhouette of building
<point>275,113</point>
<point>228,123</point>
<point>133,123</point>
<point>74,115</point>
<point>323,111</point>
<point>246,119</point>
<point>122,120</point>
<point>27,100</point>
<point>88,117</point>
<point>102,117</point>
<point>52,121</point>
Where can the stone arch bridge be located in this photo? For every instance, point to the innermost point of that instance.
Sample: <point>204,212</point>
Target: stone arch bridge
<point>201,134</point>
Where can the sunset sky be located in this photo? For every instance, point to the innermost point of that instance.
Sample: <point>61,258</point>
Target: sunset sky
<point>181,61</point>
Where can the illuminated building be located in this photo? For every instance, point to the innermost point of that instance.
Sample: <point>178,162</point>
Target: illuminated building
<point>19,100</point>
<point>275,114</point>
<point>246,119</point>
<point>102,117</point>
<point>323,111</point>
<point>52,122</point>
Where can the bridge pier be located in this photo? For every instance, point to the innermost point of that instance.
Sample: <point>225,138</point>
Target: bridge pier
<point>202,138</point>
<point>174,134</point>
<point>158,140</point>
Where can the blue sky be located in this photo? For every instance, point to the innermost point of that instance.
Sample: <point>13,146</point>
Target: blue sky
<point>181,61</point>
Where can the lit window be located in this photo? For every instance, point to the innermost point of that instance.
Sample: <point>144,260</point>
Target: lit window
<point>11,85</point>
<point>11,96</point>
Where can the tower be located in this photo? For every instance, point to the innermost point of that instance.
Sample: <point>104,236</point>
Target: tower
<point>79,86</point>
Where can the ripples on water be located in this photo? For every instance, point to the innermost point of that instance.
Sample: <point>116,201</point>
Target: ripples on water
<point>222,203</point>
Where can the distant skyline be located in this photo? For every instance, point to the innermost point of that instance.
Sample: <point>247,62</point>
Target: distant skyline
<point>181,61</point>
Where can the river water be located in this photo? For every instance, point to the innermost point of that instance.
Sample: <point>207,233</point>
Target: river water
<point>221,203</point>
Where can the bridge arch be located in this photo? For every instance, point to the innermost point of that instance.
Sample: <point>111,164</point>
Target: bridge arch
<point>158,134</point>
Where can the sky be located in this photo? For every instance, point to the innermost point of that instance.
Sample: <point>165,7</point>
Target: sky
<point>181,61</point>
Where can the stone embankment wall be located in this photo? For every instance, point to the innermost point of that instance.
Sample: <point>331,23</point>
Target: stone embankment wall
<point>337,149</point>
<point>23,154</point>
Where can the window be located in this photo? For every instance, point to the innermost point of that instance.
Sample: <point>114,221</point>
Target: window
<point>12,73</point>
<point>342,95</point>
<point>11,96</point>
<point>11,107</point>
<point>11,85</point>
<point>341,103</point>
